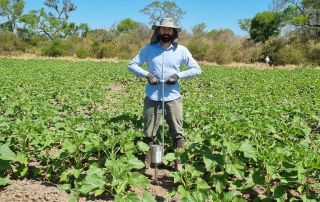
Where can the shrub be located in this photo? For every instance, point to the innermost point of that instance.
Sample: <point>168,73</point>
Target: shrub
<point>250,52</point>
<point>98,50</point>
<point>291,54</point>
<point>82,53</point>
<point>198,49</point>
<point>55,48</point>
<point>219,52</point>
<point>313,53</point>
<point>271,48</point>
<point>10,42</point>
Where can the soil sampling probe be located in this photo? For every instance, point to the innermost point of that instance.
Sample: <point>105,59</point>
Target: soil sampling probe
<point>157,151</point>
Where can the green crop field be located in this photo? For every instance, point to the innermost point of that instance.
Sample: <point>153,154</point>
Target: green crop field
<point>251,134</point>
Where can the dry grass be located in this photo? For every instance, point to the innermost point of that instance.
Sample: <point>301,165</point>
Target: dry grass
<point>68,58</point>
<point>253,65</point>
<point>116,60</point>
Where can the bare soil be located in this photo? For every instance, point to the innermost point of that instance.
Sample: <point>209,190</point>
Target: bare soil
<point>27,190</point>
<point>160,187</point>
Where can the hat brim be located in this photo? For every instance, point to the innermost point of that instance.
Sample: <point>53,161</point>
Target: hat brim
<point>154,27</point>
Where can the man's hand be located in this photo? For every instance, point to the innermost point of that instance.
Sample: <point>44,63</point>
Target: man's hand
<point>172,79</point>
<point>152,79</point>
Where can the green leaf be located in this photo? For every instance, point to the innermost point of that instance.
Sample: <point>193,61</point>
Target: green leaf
<point>195,196</point>
<point>182,191</point>
<point>138,180</point>
<point>257,178</point>
<point>4,165</point>
<point>143,146</point>
<point>22,159</point>
<point>231,147</point>
<point>248,150</point>
<point>209,162</point>
<point>176,176</point>
<point>147,197</point>
<point>73,197</point>
<point>289,167</point>
<point>130,197</point>
<point>94,179</point>
<point>169,157</point>
<point>201,184</point>
<point>235,169</point>
<point>64,176</point>
<point>135,163</point>
<point>76,172</point>
<point>98,192</point>
<point>4,181</point>
<point>23,171</point>
<point>7,154</point>
<point>279,192</point>
<point>64,187</point>
<point>60,125</point>
<point>69,146</point>
<point>218,185</point>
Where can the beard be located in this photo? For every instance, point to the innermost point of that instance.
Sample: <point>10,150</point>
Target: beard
<point>165,38</point>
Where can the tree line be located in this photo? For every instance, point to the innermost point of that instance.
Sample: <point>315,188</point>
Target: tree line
<point>289,33</point>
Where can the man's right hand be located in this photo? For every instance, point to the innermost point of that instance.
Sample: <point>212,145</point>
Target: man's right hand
<point>152,79</point>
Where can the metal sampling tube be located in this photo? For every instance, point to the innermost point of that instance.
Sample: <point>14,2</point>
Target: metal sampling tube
<point>157,151</point>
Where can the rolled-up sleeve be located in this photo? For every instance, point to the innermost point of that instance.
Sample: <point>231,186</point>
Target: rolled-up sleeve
<point>191,63</point>
<point>134,65</point>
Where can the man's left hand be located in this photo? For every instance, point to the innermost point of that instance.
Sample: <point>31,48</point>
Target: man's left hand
<point>172,79</point>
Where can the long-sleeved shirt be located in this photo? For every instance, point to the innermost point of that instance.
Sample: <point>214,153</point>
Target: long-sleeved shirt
<point>163,63</point>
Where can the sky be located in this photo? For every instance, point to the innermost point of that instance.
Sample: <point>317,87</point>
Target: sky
<point>216,14</point>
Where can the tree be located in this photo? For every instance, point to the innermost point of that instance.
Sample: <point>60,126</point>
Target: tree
<point>11,10</point>
<point>199,29</point>
<point>304,15</point>
<point>158,10</point>
<point>126,25</point>
<point>265,25</point>
<point>55,23</point>
<point>279,5</point>
<point>245,24</point>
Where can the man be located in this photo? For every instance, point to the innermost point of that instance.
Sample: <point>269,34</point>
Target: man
<point>267,60</point>
<point>164,57</point>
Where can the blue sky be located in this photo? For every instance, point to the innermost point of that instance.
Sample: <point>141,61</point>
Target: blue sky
<point>216,14</point>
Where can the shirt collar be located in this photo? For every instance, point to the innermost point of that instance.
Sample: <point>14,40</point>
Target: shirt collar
<point>159,44</point>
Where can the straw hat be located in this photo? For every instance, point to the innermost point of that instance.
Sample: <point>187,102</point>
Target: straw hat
<point>165,22</point>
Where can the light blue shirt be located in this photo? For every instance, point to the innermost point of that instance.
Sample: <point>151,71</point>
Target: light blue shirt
<point>163,63</point>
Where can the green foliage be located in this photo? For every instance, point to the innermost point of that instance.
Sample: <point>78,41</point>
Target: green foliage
<point>245,24</point>
<point>55,48</point>
<point>220,46</point>
<point>313,53</point>
<point>293,53</point>
<point>303,16</point>
<point>271,48</point>
<point>10,42</point>
<point>265,25</point>
<point>126,25</point>
<point>198,48</point>
<point>250,52</point>
<point>100,50</point>
<point>54,24</point>
<point>157,10</point>
<point>199,29</point>
<point>11,10</point>
<point>246,128</point>
<point>82,53</point>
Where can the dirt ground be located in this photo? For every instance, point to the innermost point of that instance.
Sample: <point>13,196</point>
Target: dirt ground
<point>37,191</point>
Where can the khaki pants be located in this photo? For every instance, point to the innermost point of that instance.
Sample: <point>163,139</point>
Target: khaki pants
<point>152,113</point>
